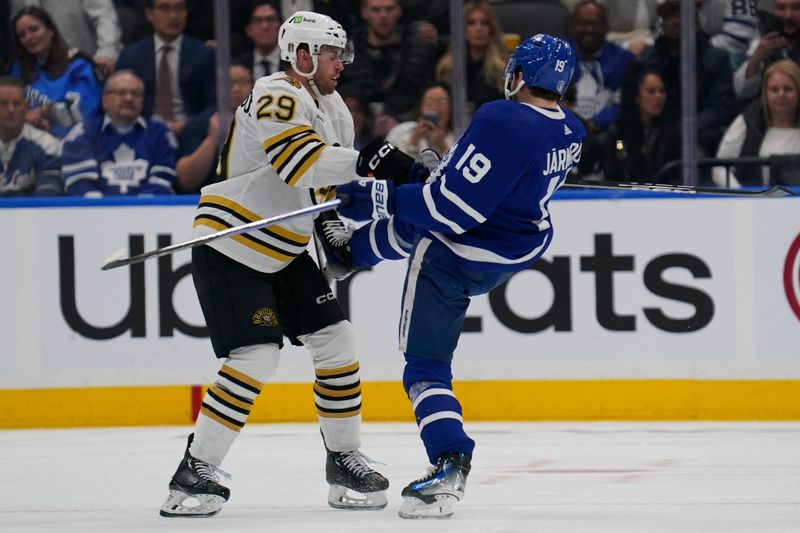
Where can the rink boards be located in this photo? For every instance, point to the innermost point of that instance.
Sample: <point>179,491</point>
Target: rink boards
<point>646,308</point>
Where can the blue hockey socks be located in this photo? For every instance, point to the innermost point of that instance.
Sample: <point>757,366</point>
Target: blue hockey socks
<point>436,409</point>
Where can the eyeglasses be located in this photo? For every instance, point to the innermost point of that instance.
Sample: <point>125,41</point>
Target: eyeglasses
<point>269,19</point>
<point>126,92</point>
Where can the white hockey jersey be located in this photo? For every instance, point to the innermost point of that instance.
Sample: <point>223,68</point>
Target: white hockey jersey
<point>284,151</point>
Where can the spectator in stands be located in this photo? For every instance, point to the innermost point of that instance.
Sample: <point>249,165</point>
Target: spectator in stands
<point>644,139</point>
<point>430,20</point>
<point>391,65</point>
<point>716,105</point>
<point>631,22</point>
<point>197,149</point>
<point>178,70</point>
<point>432,129</point>
<point>264,57</point>
<point>768,126</point>
<point>601,65</point>
<point>779,39</point>
<point>486,55</point>
<point>91,26</point>
<point>731,24</point>
<point>362,122</point>
<point>29,157</point>
<point>120,152</point>
<point>62,86</point>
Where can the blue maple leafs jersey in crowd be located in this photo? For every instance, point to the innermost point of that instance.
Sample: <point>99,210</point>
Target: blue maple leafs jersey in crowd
<point>30,164</point>
<point>77,83</point>
<point>98,159</point>
<point>487,199</point>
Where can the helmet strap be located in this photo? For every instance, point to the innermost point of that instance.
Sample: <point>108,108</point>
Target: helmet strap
<point>309,76</point>
<point>509,92</point>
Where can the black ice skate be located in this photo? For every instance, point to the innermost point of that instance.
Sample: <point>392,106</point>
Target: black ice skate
<point>197,481</point>
<point>333,236</point>
<point>436,494</point>
<point>349,470</point>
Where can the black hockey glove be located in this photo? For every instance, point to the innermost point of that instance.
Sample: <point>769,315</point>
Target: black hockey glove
<point>382,160</point>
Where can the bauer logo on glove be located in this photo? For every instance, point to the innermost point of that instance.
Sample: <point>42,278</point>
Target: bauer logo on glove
<point>366,199</point>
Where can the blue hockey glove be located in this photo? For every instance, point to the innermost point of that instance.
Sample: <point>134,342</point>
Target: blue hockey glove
<point>366,199</point>
<point>382,160</point>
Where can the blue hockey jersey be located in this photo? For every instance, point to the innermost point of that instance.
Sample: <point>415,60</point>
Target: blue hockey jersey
<point>100,160</point>
<point>30,164</point>
<point>487,199</point>
<point>77,84</point>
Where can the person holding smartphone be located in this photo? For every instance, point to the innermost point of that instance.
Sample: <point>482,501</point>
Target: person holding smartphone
<point>432,129</point>
<point>779,39</point>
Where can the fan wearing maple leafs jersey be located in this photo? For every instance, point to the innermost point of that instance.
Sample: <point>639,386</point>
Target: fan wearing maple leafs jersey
<point>120,152</point>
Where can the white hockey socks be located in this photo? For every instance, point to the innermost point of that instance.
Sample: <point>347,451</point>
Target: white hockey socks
<point>337,388</point>
<point>228,402</point>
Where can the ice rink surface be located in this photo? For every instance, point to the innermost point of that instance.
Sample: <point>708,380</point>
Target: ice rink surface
<point>526,477</point>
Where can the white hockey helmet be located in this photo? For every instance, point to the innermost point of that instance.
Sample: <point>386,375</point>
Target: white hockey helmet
<point>314,30</point>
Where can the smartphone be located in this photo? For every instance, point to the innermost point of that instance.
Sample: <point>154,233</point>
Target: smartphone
<point>431,117</point>
<point>768,22</point>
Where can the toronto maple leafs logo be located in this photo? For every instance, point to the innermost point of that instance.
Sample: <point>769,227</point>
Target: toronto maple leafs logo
<point>124,170</point>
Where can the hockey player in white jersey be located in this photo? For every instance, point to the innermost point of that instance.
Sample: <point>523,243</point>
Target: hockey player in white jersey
<point>481,215</point>
<point>289,143</point>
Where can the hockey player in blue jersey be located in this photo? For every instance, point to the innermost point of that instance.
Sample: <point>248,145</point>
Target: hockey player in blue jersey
<point>481,215</point>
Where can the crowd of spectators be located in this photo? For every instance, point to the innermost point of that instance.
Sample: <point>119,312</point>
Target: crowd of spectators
<point>105,97</point>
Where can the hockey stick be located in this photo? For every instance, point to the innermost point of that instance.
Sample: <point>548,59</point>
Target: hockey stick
<point>118,259</point>
<point>776,191</point>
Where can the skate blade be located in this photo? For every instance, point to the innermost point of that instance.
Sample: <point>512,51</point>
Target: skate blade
<point>207,505</point>
<point>340,498</point>
<point>443,507</point>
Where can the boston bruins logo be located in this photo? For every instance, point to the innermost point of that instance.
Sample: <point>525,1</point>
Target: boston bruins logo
<point>292,81</point>
<point>266,317</point>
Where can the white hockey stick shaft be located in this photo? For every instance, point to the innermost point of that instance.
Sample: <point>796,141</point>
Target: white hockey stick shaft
<point>117,261</point>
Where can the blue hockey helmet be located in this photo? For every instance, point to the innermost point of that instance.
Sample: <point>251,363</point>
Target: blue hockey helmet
<point>546,62</point>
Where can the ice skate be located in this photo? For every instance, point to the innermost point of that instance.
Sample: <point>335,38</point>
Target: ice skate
<point>198,483</point>
<point>436,494</point>
<point>333,236</point>
<point>354,485</point>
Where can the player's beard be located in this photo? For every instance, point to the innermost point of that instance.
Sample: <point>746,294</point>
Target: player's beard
<point>325,86</point>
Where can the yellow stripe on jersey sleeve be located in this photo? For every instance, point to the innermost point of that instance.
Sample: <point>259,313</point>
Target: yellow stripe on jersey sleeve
<point>275,140</point>
<point>293,148</point>
<point>310,158</point>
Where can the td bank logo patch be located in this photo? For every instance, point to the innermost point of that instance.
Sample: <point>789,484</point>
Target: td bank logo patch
<point>791,276</point>
<point>266,317</point>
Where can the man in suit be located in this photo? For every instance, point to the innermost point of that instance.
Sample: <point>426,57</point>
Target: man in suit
<point>178,70</point>
<point>262,30</point>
